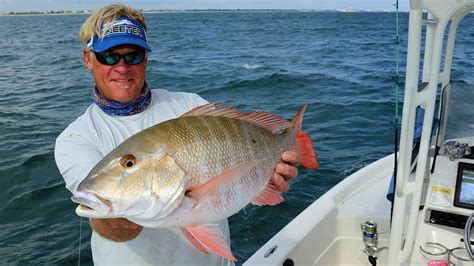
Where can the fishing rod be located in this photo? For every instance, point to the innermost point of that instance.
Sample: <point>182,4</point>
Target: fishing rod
<point>397,78</point>
<point>80,242</point>
<point>369,228</point>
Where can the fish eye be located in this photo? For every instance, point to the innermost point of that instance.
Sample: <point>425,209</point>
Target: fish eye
<point>128,161</point>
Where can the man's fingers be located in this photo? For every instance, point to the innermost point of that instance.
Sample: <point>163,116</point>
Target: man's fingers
<point>286,170</point>
<point>115,222</point>
<point>116,229</point>
<point>291,157</point>
<point>279,182</point>
<point>121,223</point>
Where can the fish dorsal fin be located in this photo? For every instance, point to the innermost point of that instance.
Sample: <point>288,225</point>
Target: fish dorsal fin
<point>262,119</point>
<point>266,120</point>
<point>213,109</point>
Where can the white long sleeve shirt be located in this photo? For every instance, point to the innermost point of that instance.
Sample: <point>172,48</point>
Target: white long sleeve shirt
<point>93,135</point>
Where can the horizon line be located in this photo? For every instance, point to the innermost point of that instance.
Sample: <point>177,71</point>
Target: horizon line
<point>87,11</point>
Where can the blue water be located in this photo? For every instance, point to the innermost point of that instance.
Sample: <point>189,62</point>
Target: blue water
<point>341,64</point>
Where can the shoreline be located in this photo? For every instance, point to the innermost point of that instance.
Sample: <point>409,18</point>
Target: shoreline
<point>34,13</point>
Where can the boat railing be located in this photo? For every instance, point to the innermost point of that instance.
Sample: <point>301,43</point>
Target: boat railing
<point>408,191</point>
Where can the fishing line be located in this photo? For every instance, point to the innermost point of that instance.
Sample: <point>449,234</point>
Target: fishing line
<point>397,66</point>
<point>80,241</point>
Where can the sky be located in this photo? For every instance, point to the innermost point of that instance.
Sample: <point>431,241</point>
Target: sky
<point>78,5</point>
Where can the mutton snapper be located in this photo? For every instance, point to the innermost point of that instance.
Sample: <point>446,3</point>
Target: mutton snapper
<point>193,171</point>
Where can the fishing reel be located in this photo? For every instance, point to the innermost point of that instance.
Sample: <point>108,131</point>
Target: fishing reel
<point>369,234</point>
<point>370,237</point>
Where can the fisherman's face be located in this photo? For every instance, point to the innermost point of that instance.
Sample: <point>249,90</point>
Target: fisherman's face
<point>120,82</point>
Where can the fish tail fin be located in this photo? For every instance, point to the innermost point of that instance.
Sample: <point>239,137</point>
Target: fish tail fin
<point>304,144</point>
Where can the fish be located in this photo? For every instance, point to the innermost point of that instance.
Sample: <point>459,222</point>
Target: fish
<point>193,171</point>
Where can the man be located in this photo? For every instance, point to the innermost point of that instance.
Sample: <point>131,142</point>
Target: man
<point>116,52</point>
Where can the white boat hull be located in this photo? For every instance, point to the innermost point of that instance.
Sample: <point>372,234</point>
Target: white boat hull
<point>328,231</point>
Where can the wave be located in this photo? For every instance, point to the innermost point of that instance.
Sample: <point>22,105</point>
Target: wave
<point>9,57</point>
<point>269,81</point>
<point>253,66</point>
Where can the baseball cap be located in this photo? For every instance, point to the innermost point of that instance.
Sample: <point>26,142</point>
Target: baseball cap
<point>123,30</point>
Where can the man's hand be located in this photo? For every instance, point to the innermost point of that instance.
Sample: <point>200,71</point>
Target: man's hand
<point>116,229</point>
<point>285,170</point>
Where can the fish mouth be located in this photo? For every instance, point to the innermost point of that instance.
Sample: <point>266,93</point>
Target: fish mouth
<point>91,205</point>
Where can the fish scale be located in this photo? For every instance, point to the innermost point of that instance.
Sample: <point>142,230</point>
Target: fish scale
<point>210,136</point>
<point>208,149</point>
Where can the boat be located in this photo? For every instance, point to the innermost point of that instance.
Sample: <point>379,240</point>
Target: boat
<point>430,219</point>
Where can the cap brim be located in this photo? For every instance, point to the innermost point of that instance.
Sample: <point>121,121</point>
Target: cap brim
<point>113,41</point>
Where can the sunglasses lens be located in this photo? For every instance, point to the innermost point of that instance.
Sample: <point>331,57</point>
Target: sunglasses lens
<point>110,59</point>
<point>107,58</point>
<point>134,58</point>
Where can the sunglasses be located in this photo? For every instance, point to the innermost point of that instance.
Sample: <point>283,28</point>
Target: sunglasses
<point>110,59</point>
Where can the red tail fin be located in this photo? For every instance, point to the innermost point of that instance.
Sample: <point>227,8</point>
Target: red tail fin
<point>304,144</point>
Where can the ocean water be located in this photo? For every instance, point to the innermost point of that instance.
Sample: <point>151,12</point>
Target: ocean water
<point>341,64</point>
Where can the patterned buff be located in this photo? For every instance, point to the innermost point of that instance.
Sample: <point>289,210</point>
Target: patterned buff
<point>120,109</point>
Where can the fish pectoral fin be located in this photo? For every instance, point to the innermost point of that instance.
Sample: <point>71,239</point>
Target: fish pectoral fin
<point>269,196</point>
<point>208,237</point>
<point>224,179</point>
